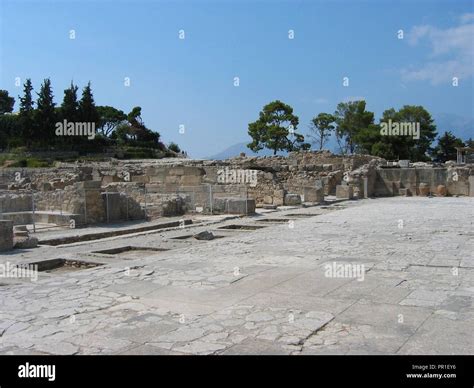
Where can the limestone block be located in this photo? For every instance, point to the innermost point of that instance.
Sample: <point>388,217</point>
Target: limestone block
<point>26,243</point>
<point>206,235</point>
<point>423,189</point>
<point>172,179</point>
<point>268,199</point>
<point>441,191</point>
<point>471,186</point>
<point>292,199</point>
<point>313,194</point>
<point>176,171</point>
<point>344,192</point>
<point>241,206</point>
<point>234,206</point>
<point>278,197</point>
<point>190,180</point>
<point>140,178</point>
<point>197,171</point>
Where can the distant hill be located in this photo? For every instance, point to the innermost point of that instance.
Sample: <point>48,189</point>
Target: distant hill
<point>236,149</point>
<point>460,126</point>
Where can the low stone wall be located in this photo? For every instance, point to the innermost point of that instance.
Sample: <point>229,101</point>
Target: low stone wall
<point>389,181</point>
<point>174,186</point>
<point>15,202</point>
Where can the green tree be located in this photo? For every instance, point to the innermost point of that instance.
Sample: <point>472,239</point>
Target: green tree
<point>408,147</point>
<point>109,119</point>
<point>26,115</point>
<point>45,115</point>
<point>70,105</point>
<point>321,128</point>
<point>276,129</point>
<point>6,102</point>
<point>446,148</point>
<point>135,132</point>
<point>370,140</point>
<point>351,118</point>
<point>174,147</point>
<point>87,110</point>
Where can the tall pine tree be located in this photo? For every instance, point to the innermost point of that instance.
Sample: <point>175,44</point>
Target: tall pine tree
<point>25,116</point>
<point>69,111</point>
<point>70,105</point>
<point>45,117</point>
<point>87,109</point>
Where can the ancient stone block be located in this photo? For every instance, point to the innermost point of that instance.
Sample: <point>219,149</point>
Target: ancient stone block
<point>173,179</point>
<point>441,191</point>
<point>140,178</point>
<point>471,186</point>
<point>268,199</point>
<point>292,199</point>
<point>176,171</point>
<point>344,192</point>
<point>233,206</point>
<point>423,189</point>
<point>26,243</point>
<point>313,194</point>
<point>278,197</point>
<point>197,171</point>
<point>241,206</point>
<point>206,235</point>
<point>190,180</point>
<point>6,235</point>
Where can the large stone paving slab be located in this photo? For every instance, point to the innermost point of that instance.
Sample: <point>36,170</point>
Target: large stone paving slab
<point>264,292</point>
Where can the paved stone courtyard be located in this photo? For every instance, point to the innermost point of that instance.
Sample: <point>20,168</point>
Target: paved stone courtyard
<point>265,291</point>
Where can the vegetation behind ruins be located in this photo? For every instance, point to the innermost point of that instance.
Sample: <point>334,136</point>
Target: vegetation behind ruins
<point>29,138</point>
<point>356,132</point>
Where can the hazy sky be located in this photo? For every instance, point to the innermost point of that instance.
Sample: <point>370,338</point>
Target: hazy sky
<point>190,81</point>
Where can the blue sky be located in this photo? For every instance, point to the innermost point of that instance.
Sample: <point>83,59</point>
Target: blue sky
<point>190,82</point>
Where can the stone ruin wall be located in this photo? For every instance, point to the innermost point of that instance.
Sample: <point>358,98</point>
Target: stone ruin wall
<point>172,187</point>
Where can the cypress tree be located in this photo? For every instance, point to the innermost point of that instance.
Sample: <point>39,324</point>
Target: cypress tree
<point>45,117</point>
<point>26,114</point>
<point>87,109</point>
